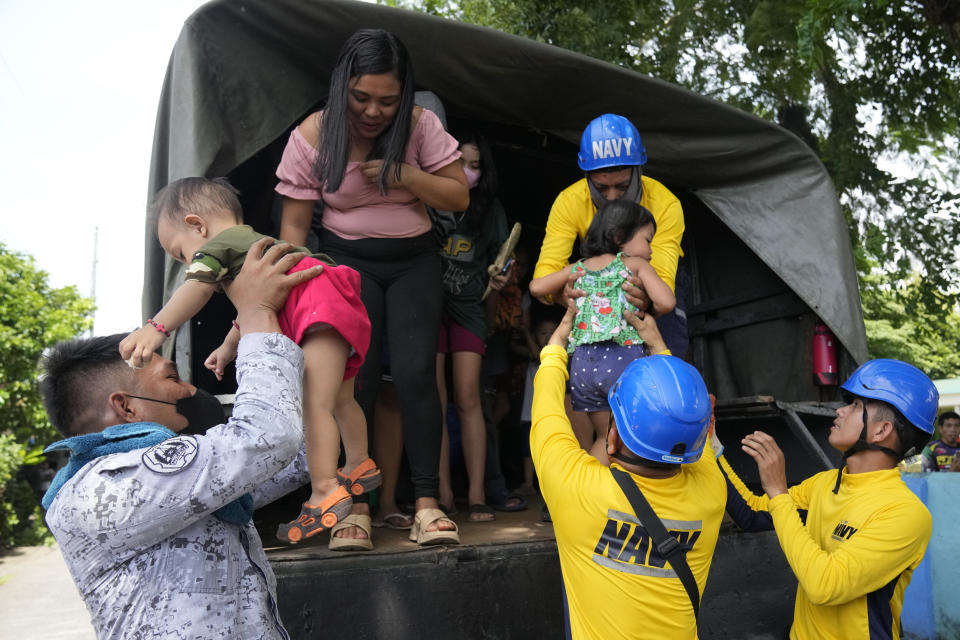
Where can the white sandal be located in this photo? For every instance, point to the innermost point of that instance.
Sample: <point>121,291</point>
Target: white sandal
<point>426,517</point>
<point>351,544</point>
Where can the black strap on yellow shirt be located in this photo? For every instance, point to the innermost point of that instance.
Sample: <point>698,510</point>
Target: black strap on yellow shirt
<point>666,544</point>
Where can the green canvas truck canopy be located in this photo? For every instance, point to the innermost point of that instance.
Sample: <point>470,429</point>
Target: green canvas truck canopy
<point>766,242</point>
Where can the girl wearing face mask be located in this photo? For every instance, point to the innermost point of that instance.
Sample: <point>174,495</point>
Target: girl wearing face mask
<point>472,246</point>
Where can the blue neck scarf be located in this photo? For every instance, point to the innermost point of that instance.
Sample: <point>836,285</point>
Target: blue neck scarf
<point>120,439</point>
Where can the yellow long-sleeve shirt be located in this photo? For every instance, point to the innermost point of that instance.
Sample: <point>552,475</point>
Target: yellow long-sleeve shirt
<point>573,210</point>
<point>617,585</point>
<point>855,556</point>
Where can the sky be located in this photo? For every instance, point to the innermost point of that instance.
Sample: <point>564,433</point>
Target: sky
<point>79,89</point>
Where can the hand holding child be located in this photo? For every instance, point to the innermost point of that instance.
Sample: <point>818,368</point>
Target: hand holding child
<point>138,347</point>
<point>570,292</point>
<point>261,288</point>
<point>562,334</point>
<point>646,327</point>
<point>635,294</point>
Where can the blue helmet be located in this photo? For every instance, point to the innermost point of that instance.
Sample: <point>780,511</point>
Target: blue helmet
<point>610,141</point>
<point>662,409</point>
<point>899,384</point>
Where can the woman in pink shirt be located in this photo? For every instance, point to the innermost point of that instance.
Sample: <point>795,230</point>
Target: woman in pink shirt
<point>375,161</point>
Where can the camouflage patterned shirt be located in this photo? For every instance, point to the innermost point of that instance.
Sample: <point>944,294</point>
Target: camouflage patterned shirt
<point>137,528</point>
<point>222,257</point>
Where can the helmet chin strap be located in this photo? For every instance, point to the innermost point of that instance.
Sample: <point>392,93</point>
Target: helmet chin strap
<point>862,445</point>
<point>632,194</point>
<point>629,458</point>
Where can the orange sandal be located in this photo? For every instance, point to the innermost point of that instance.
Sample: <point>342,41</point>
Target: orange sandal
<point>316,518</point>
<point>364,478</point>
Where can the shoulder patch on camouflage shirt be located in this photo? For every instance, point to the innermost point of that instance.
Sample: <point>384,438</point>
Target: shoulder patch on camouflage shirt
<point>172,455</point>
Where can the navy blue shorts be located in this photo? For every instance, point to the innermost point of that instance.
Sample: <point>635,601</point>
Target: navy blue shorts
<point>593,370</point>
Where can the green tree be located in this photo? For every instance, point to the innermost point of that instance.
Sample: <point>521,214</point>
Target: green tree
<point>899,327</point>
<point>33,316</point>
<point>871,85</point>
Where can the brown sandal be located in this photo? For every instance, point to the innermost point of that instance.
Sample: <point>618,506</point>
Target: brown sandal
<point>426,517</point>
<point>359,520</point>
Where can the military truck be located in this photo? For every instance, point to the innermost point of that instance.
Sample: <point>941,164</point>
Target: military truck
<point>766,247</point>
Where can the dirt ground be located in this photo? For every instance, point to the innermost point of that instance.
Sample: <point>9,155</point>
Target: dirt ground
<point>38,598</point>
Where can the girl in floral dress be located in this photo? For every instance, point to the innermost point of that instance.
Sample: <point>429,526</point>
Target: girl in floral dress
<point>602,342</point>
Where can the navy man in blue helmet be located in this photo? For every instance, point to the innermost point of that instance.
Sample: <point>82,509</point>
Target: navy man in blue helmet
<point>612,156</point>
<point>865,531</point>
<point>617,582</point>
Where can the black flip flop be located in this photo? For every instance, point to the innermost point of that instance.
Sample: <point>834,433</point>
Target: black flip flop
<point>479,508</point>
<point>501,505</point>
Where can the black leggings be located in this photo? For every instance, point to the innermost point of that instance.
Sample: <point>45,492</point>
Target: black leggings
<point>401,286</point>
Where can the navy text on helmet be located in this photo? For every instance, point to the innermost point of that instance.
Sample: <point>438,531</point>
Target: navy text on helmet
<point>610,141</point>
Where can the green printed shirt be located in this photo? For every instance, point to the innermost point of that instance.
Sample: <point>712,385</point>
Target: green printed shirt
<point>466,257</point>
<point>600,316</point>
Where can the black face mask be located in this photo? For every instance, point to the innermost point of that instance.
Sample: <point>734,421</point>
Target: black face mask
<point>202,411</point>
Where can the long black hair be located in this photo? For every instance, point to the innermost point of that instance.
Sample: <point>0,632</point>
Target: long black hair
<point>368,51</point>
<point>481,196</point>
<point>616,222</point>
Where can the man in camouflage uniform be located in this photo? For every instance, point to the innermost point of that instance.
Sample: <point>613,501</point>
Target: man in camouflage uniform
<point>154,521</point>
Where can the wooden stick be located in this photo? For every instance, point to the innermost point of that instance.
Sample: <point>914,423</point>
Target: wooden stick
<point>505,250</point>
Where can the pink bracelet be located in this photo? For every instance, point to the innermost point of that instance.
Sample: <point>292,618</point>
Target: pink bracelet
<point>158,326</point>
<point>235,325</point>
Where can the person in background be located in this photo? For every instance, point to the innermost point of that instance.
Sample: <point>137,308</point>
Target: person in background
<point>941,455</point>
<point>504,318</point>
<point>376,161</point>
<point>388,450</point>
<point>544,323</point>
<point>471,247</point>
